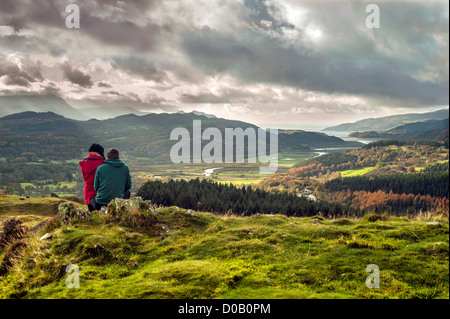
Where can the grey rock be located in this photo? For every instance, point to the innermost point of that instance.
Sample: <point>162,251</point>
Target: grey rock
<point>434,224</point>
<point>314,221</point>
<point>67,212</point>
<point>191,212</point>
<point>38,227</point>
<point>46,236</point>
<point>128,206</point>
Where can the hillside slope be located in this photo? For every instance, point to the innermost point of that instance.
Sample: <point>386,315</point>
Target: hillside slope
<point>389,122</point>
<point>402,177</point>
<point>174,253</point>
<point>432,129</point>
<point>139,136</point>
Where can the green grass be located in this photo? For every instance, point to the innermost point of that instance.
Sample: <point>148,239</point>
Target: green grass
<point>211,256</point>
<point>71,161</point>
<point>356,172</point>
<point>29,210</point>
<point>23,185</point>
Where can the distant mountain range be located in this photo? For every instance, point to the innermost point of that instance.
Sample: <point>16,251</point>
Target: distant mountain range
<point>108,112</point>
<point>432,129</point>
<point>140,136</point>
<point>198,113</point>
<point>389,122</point>
<point>12,104</point>
<point>39,103</point>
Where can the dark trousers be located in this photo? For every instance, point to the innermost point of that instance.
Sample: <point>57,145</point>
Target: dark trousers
<point>93,205</point>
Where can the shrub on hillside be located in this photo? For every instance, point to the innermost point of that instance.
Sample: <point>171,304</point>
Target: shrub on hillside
<point>375,217</point>
<point>13,230</point>
<point>52,224</point>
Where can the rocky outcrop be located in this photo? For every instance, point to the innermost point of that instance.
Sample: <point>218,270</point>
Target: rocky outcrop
<point>129,206</point>
<point>135,213</point>
<point>68,212</point>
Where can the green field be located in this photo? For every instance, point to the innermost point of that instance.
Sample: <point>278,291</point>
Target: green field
<point>29,210</point>
<point>52,186</point>
<point>180,255</point>
<point>356,172</point>
<point>241,182</point>
<point>236,173</point>
<point>72,161</point>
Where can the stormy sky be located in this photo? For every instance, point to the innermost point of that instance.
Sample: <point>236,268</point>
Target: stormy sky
<point>263,61</point>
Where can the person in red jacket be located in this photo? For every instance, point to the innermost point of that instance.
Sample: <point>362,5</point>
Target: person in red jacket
<point>89,166</point>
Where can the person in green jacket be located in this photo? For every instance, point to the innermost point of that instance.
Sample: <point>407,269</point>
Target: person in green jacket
<point>112,180</point>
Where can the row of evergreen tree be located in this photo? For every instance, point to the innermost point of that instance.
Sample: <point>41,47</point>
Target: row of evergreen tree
<point>431,183</point>
<point>219,198</point>
<point>438,167</point>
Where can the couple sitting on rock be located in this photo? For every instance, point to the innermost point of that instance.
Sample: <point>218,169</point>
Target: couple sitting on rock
<point>104,180</point>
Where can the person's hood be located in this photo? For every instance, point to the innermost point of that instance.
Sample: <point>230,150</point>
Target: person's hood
<point>116,163</point>
<point>90,163</point>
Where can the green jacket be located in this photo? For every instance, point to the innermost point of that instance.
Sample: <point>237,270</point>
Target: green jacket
<point>112,179</point>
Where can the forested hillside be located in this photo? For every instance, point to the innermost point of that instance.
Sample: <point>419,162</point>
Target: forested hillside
<point>432,129</point>
<point>398,176</point>
<point>389,122</point>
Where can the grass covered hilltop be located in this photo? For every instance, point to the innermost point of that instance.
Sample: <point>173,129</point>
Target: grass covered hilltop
<point>137,251</point>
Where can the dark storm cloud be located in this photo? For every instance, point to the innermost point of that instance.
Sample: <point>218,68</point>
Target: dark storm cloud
<point>21,76</point>
<point>50,88</point>
<point>226,96</point>
<point>14,79</point>
<point>122,33</point>
<point>262,10</point>
<point>57,51</point>
<point>134,65</point>
<point>76,76</point>
<point>111,93</point>
<point>203,98</point>
<point>110,22</point>
<point>104,85</point>
<point>113,98</point>
<point>254,57</point>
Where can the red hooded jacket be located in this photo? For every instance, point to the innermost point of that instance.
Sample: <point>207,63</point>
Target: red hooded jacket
<point>88,168</point>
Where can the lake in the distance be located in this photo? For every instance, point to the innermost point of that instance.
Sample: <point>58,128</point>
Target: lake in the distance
<point>319,128</point>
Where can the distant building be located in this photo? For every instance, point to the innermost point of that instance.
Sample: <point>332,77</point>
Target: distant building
<point>312,198</point>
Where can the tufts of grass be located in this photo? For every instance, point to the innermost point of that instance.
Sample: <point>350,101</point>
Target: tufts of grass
<point>202,255</point>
